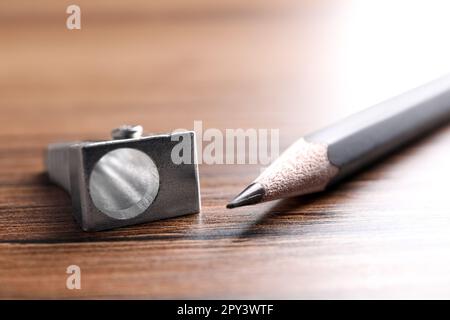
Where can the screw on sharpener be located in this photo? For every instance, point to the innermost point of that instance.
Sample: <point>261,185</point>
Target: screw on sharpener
<point>128,180</point>
<point>127,132</point>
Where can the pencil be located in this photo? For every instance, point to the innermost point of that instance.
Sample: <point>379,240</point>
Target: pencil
<point>325,157</point>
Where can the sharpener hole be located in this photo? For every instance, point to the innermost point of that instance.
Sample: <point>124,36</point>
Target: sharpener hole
<point>124,183</point>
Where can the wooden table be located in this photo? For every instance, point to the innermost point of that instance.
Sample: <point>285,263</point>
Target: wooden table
<point>288,65</point>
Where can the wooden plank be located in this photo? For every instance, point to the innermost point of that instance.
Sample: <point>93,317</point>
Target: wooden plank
<point>231,64</point>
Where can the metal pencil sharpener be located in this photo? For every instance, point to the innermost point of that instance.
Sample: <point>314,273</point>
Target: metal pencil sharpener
<point>128,180</point>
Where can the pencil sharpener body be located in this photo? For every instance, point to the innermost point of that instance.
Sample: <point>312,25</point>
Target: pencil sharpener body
<point>127,181</point>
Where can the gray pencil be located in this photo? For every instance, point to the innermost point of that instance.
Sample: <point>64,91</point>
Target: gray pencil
<point>325,157</point>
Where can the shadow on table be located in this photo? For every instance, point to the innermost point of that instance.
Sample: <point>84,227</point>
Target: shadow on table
<point>290,216</point>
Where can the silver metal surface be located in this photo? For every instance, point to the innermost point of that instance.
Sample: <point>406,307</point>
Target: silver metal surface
<point>126,181</point>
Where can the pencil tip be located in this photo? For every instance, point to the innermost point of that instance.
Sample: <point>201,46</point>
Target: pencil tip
<point>251,195</point>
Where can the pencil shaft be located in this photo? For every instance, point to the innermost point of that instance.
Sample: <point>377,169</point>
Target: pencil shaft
<point>368,135</point>
<point>324,157</point>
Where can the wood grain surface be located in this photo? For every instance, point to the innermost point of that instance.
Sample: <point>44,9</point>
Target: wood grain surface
<point>288,65</point>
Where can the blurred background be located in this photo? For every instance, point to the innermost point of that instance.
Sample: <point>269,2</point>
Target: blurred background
<point>164,64</point>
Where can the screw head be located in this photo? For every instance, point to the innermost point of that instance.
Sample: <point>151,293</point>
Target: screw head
<point>127,132</point>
